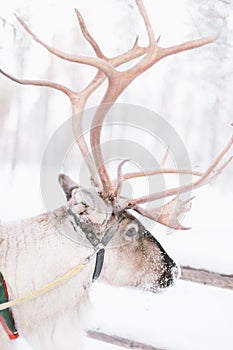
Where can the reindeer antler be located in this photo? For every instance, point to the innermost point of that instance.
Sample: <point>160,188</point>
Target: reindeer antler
<point>206,177</point>
<point>117,83</point>
<point>169,213</point>
<point>79,99</point>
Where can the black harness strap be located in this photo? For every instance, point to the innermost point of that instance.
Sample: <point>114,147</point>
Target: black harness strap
<point>95,241</point>
<point>98,264</point>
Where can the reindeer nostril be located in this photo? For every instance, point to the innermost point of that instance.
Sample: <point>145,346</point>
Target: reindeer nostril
<point>170,272</point>
<point>168,261</point>
<point>168,277</point>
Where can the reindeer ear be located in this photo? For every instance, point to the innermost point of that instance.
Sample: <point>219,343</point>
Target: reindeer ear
<point>67,185</point>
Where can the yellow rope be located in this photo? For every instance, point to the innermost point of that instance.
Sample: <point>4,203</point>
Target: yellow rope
<point>47,288</point>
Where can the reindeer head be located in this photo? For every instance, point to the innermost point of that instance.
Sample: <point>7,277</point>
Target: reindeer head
<point>103,209</point>
<point>133,256</point>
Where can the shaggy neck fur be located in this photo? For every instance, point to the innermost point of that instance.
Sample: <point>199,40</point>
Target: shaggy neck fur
<point>27,267</point>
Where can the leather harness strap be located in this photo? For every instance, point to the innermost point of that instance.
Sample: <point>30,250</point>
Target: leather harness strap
<point>97,243</point>
<point>98,264</point>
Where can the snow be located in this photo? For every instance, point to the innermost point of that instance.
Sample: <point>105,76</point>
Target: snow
<point>90,344</point>
<point>99,345</point>
<point>187,316</point>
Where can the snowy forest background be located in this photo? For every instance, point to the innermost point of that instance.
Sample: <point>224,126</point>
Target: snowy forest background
<point>192,90</point>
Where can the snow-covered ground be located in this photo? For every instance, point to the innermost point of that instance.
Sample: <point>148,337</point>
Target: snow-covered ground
<point>188,316</point>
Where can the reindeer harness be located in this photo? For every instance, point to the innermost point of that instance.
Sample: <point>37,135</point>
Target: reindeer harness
<point>6,316</point>
<point>97,243</point>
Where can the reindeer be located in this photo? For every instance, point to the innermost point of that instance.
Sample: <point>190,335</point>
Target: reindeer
<point>37,258</point>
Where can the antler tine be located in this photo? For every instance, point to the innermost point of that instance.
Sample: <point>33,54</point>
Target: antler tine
<point>164,159</point>
<point>91,61</point>
<point>88,36</point>
<point>218,172</point>
<point>44,83</point>
<point>78,117</point>
<point>188,45</point>
<point>124,177</point>
<point>119,177</point>
<point>168,214</point>
<point>224,165</point>
<point>150,32</point>
<point>200,182</point>
<point>134,175</point>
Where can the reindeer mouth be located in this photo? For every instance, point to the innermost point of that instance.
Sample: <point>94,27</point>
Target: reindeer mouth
<point>169,276</point>
<point>167,280</point>
<point>161,285</point>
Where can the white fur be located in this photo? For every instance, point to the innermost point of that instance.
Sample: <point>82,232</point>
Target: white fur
<point>33,254</point>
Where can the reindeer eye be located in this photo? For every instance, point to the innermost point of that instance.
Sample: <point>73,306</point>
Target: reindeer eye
<point>132,231</point>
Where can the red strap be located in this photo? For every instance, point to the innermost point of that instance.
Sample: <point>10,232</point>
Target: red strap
<point>6,316</point>
<point>11,335</point>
